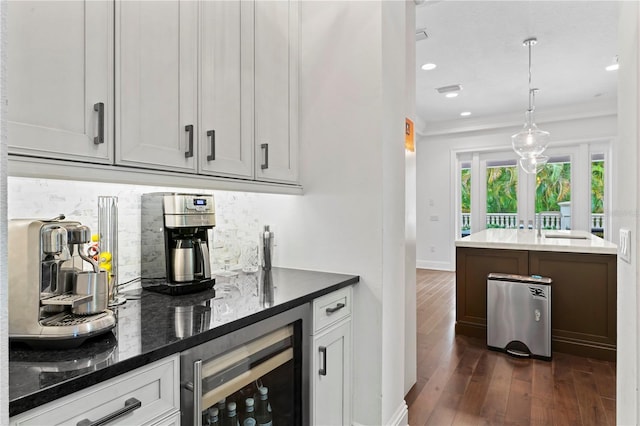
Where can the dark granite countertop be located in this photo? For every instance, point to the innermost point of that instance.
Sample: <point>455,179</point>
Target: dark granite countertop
<point>152,326</point>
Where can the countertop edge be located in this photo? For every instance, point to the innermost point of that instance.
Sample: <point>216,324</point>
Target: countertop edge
<point>49,394</point>
<point>534,247</point>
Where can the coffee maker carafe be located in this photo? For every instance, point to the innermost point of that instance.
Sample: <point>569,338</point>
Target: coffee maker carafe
<point>175,242</point>
<point>53,302</point>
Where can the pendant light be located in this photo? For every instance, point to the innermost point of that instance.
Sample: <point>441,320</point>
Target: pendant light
<point>530,142</point>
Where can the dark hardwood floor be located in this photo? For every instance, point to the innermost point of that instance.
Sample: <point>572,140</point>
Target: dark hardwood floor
<point>460,382</point>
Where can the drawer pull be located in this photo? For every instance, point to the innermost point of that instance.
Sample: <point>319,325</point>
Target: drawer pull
<point>265,165</point>
<point>323,370</point>
<point>99,108</point>
<point>212,134</point>
<point>130,405</point>
<point>336,308</point>
<point>189,152</point>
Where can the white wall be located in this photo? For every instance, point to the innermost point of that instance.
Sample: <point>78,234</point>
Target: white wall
<point>4,317</point>
<point>410,344</point>
<point>625,215</point>
<point>435,188</point>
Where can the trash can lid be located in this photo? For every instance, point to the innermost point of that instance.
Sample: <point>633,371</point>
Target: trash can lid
<point>528,279</point>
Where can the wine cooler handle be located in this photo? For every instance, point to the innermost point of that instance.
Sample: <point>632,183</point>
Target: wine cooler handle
<point>212,134</point>
<point>197,393</point>
<point>99,108</point>
<point>189,152</point>
<point>335,309</point>
<point>265,165</point>
<point>323,351</point>
<point>130,405</point>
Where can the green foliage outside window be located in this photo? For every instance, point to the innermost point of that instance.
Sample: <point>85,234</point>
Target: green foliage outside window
<point>553,185</point>
<point>502,186</point>
<point>597,187</point>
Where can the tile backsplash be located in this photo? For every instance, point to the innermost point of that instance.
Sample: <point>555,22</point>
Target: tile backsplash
<point>47,198</point>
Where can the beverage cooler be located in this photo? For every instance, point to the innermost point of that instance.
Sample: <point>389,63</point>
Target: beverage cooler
<point>256,372</point>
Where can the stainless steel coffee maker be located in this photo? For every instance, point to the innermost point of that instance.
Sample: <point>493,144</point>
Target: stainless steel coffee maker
<point>175,242</point>
<point>53,300</point>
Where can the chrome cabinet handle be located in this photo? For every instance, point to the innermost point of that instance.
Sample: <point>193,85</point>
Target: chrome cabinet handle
<point>189,152</point>
<point>99,108</point>
<point>335,309</point>
<point>197,393</point>
<point>265,165</point>
<point>130,405</point>
<point>323,351</point>
<point>212,134</point>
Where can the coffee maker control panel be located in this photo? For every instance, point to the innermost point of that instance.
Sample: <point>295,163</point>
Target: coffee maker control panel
<point>188,204</point>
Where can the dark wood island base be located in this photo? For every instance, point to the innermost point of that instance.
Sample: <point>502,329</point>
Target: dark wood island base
<point>583,311</point>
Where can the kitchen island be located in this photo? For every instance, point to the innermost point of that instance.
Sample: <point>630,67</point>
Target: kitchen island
<point>153,326</point>
<point>582,267</point>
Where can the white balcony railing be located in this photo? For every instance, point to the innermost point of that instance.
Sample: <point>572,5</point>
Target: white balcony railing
<point>550,220</point>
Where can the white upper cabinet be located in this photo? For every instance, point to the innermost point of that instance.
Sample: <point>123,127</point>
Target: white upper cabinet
<point>276,91</point>
<point>226,88</point>
<point>156,84</point>
<point>60,79</point>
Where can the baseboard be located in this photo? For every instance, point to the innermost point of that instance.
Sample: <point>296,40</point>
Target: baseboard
<point>435,265</point>
<point>399,418</point>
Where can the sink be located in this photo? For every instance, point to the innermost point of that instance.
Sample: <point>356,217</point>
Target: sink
<point>568,236</point>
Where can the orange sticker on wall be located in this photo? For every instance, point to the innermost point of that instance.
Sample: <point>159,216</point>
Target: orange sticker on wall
<point>408,136</point>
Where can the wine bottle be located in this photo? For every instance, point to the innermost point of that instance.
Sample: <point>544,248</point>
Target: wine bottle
<point>249,413</point>
<point>232,417</point>
<point>263,410</point>
<point>213,418</point>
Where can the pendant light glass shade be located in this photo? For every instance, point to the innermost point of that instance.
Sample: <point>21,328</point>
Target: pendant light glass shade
<point>530,141</point>
<point>533,164</point>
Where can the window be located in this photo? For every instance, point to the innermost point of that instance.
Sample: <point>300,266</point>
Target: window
<point>553,194</point>
<point>597,194</point>
<point>502,190</point>
<point>465,199</point>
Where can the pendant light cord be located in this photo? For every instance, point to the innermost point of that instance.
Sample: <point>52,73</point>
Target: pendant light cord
<point>529,43</point>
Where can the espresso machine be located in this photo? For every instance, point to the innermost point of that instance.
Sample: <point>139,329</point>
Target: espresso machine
<point>175,242</point>
<point>53,300</point>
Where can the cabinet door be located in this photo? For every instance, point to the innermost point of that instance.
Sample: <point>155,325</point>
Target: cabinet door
<point>60,61</point>
<point>156,84</point>
<point>276,89</point>
<point>472,267</point>
<point>331,374</point>
<point>226,88</point>
<point>584,300</point>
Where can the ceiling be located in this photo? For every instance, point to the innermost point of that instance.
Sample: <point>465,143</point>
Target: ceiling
<point>478,44</point>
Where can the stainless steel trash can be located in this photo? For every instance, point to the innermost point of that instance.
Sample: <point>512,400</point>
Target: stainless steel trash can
<point>519,315</point>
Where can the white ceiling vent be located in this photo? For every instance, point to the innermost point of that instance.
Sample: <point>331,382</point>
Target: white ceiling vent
<point>421,34</point>
<point>448,89</point>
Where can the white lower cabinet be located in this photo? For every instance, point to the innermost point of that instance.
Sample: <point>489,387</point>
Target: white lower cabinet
<point>331,359</point>
<point>149,395</point>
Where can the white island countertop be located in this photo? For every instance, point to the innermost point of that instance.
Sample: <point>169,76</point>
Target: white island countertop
<point>527,239</point>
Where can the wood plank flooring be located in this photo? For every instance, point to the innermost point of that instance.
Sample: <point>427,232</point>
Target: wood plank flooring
<point>460,382</point>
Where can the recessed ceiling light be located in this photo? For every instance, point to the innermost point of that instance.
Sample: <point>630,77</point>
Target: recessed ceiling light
<point>428,67</point>
<point>465,114</point>
<point>451,94</point>
<point>612,67</point>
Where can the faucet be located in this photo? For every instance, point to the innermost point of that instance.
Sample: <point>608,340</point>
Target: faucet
<point>539,225</point>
